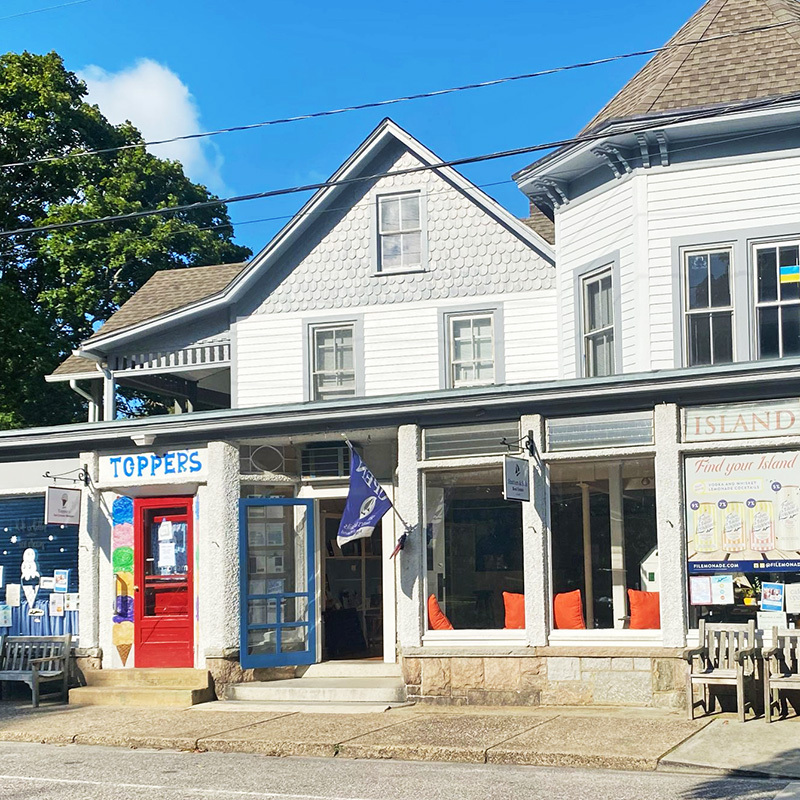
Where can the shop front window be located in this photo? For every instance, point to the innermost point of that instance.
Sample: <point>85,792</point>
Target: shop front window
<point>604,544</point>
<point>474,546</point>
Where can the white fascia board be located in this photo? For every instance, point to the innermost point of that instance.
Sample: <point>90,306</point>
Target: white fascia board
<point>78,376</point>
<point>386,131</point>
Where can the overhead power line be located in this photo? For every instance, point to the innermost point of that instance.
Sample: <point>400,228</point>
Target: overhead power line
<point>583,139</point>
<point>42,10</point>
<point>392,101</point>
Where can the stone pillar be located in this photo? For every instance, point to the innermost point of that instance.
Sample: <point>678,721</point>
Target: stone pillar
<point>218,570</point>
<point>535,537</point>
<point>410,602</point>
<point>89,556</point>
<point>671,528</point>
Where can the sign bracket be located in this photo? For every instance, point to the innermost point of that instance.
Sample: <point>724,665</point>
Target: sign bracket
<point>81,477</point>
<point>527,441</point>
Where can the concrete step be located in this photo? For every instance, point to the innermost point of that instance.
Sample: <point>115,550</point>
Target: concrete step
<point>349,669</point>
<point>169,678</point>
<point>306,708</point>
<point>321,690</point>
<point>139,696</point>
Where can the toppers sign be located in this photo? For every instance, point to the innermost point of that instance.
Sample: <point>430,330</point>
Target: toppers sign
<point>169,465</point>
<point>762,420</point>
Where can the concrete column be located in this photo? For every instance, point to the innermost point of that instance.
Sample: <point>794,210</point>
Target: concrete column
<point>671,527</point>
<point>217,580</point>
<point>89,545</point>
<point>411,566</point>
<point>536,541</point>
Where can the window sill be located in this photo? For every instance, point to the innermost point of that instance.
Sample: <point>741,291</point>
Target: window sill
<point>390,272</point>
<point>475,639</point>
<point>609,637</point>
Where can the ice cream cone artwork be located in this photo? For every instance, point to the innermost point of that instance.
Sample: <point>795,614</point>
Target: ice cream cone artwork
<point>124,651</point>
<point>122,564</point>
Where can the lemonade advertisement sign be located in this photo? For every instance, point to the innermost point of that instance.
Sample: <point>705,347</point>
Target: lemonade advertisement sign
<point>743,512</point>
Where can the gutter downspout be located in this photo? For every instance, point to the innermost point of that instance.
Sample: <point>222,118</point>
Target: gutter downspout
<point>73,384</point>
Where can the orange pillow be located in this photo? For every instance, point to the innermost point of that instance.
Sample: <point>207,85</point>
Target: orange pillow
<point>645,610</point>
<point>568,611</point>
<point>515,610</point>
<point>437,621</point>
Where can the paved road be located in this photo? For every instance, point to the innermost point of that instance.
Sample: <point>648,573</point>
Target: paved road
<point>81,772</point>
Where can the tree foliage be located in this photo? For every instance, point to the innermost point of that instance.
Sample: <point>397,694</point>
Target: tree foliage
<point>56,286</point>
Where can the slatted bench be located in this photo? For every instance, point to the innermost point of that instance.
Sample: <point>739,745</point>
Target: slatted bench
<point>35,660</point>
<point>781,670</point>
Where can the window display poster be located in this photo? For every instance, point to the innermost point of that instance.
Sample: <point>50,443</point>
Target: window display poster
<point>743,512</point>
<point>700,590</point>
<point>791,598</point>
<point>1,575</point>
<point>5,616</point>
<point>47,582</point>
<point>13,591</point>
<point>722,590</point>
<point>56,605</point>
<point>772,597</point>
<point>71,601</point>
<point>61,577</point>
<point>767,620</point>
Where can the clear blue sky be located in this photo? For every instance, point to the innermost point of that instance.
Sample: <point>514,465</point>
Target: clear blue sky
<point>244,61</point>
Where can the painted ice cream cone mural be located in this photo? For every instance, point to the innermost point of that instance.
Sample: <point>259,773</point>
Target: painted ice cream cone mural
<point>29,573</point>
<point>122,564</point>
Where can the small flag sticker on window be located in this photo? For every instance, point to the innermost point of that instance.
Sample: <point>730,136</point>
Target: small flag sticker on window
<point>790,274</point>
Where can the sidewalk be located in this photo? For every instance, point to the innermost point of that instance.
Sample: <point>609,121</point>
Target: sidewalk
<point>607,738</point>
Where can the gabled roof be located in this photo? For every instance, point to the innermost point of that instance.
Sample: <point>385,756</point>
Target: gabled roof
<point>164,293</point>
<point>716,70</point>
<point>386,133</point>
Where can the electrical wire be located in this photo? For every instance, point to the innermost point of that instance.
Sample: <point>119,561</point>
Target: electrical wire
<point>392,101</point>
<point>583,139</point>
<point>42,10</point>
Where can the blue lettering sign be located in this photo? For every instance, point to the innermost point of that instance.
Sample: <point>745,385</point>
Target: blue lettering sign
<point>128,466</point>
<point>155,463</point>
<point>115,463</point>
<point>183,458</point>
<point>169,463</point>
<point>141,465</point>
<point>194,462</point>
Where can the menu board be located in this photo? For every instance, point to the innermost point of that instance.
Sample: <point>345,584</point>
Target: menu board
<point>743,513</point>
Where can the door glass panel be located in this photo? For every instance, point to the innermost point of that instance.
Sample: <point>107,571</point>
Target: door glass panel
<point>166,566</point>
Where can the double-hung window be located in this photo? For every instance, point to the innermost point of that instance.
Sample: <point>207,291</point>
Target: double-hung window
<point>598,324</point>
<point>471,339</point>
<point>333,364</point>
<point>777,293</point>
<point>708,306</point>
<point>400,231</point>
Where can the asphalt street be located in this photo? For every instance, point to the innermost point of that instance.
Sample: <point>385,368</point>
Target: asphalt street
<point>52,772</point>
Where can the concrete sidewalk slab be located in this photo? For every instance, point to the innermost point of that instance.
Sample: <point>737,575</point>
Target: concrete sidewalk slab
<point>727,746</point>
<point>596,741</point>
<point>442,737</point>
<point>317,735</point>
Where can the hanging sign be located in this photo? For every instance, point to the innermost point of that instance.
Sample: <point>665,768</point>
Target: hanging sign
<point>516,478</point>
<point>169,465</point>
<point>62,506</point>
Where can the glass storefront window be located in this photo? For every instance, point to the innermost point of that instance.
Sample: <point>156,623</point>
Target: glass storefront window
<point>474,546</point>
<point>603,537</point>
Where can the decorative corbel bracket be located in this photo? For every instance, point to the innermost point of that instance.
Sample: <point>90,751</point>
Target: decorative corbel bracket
<point>663,147</point>
<point>614,159</point>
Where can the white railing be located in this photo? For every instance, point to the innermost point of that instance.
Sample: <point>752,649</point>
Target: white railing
<point>209,354</point>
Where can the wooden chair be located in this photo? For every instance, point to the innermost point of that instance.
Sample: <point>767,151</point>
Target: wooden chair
<point>726,657</point>
<point>781,669</point>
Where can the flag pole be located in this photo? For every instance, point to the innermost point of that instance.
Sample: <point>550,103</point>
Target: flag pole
<point>401,540</point>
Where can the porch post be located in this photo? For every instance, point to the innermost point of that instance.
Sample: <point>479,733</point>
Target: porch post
<point>535,533</point>
<point>671,528</point>
<point>411,560</point>
<point>109,396</point>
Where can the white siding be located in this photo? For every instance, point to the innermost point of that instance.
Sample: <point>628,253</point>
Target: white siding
<point>531,348</point>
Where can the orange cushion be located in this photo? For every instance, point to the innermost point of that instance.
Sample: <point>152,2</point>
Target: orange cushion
<point>437,621</point>
<point>568,611</point>
<point>515,610</point>
<point>645,610</point>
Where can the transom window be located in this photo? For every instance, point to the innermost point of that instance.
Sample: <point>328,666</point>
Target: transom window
<point>709,311</point>
<point>333,370</point>
<point>598,324</point>
<point>777,282</point>
<point>400,231</point>
<point>471,350</point>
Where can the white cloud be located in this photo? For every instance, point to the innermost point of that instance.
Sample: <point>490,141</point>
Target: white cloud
<point>160,105</point>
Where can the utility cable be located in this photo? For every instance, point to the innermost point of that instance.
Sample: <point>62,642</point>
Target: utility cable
<point>583,139</point>
<point>395,100</point>
<point>42,10</point>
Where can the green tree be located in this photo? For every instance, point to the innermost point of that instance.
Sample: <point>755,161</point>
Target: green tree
<point>55,287</point>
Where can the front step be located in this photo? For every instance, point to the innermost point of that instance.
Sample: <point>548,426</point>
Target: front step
<point>339,690</point>
<point>349,669</point>
<point>174,688</point>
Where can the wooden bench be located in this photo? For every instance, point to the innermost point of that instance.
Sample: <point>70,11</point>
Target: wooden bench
<point>781,669</point>
<point>35,660</point>
<point>726,657</point>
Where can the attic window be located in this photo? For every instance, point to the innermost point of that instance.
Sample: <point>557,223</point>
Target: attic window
<point>400,232</point>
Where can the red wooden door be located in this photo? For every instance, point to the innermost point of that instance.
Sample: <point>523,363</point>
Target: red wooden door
<point>163,584</point>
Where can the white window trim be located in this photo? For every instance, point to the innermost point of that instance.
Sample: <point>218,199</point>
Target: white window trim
<point>606,637</point>
<point>586,334</point>
<point>451,360</point>
<point>316,328</point>
<point>381,233</point>
<point>483,638</point>
<point>779,304</point>
<point>708,250</point>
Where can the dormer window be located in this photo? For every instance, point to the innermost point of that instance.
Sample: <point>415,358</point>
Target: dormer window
<point>400,232</point>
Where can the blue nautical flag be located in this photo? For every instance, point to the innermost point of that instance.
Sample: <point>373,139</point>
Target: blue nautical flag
<point>366,503</point>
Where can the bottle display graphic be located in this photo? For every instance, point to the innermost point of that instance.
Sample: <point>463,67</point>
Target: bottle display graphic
<point>762,526</point>
<point>705,528</point>
<point>788,534</point>
<point>734,538</point>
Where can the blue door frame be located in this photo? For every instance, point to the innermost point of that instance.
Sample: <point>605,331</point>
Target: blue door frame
<point>280,656</point>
